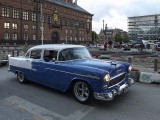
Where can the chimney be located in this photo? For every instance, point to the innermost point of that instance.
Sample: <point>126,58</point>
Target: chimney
<point>103,24</point>
<point>75,2</point>
<point>106,27</point>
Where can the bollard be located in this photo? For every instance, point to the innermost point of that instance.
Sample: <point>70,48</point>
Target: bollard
<point>13,53</point>
<point>129,60</point>
<point>156,65</point>
<point>17,53</point>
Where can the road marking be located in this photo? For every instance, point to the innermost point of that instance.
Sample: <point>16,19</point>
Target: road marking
<point>35,109</point>
<point>79,114</point>
<point>46,114</point>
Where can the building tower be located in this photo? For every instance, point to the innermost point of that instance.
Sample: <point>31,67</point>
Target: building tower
<point>103,24</point>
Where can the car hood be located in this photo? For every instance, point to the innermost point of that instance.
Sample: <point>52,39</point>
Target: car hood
<point>112,67</point>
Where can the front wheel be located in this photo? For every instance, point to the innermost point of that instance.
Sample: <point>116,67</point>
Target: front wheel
<point>82,92</point>
<point>21,78</point>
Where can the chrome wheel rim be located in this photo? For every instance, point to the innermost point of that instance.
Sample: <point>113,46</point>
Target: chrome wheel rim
<point>81,91</point>
<point>20,77</point>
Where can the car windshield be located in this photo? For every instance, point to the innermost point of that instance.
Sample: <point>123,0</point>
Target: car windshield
<point>74,53</point>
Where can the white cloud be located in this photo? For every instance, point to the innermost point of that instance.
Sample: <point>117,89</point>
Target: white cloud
<point>115,12</point>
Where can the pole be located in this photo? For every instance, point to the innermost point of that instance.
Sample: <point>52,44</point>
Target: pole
<point>42,29</point>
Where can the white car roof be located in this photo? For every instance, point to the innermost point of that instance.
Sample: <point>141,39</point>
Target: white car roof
<point>57,47</point>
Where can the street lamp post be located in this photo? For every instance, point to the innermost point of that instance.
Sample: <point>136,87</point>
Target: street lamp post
<point>88,28</point>
<point>77,32</point>
<point>42,28</point>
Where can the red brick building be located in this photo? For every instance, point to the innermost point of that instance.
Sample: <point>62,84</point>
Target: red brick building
<point>63,22</point>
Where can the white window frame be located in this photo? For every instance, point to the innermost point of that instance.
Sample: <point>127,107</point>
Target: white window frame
<point>34,17</point>
<point>25,15</point>
<point>6,36</point>
<point>5,12</point>
<point>34,37</point>
<point>25,36</point>
<point>6,25</point>
<point>15,26</point>
<point>14,36</point>
<point>26,27</point>
<point>15,14</point>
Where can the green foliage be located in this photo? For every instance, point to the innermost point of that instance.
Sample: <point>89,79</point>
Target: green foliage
<point>119,38</point>
<point>125,38</point>
<point>94,36</point>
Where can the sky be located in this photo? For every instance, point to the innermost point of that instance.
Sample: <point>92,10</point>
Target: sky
<point>115,13</point>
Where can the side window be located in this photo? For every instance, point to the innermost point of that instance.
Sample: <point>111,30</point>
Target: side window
<point>50,55</point>
<point>27,55</point>
<point>36,54</point>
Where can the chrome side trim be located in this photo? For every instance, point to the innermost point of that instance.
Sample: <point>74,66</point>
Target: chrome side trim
<point>89,76</point>
<point>34,69</point>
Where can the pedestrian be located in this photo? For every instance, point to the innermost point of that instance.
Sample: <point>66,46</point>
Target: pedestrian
<point>105,46</point>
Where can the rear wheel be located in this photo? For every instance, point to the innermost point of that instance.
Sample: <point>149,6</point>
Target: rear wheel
<point>82,92</point>
<point>21,78</point>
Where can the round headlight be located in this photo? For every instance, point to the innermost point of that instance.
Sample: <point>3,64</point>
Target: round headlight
<point>130,68</point>
<point>106,78</point>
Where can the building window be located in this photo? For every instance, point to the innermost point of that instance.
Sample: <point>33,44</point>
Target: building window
<point>42,18</point>
<point>66,32</point>
<point>82,38</point>
<point>88,25</point>
<point>6,25</point>
<point>33,16</point>
<point>80,32</point>
<point>25,37</point>
<point>34,28</point>
<point>25,27</point>
<point>15,26</point>
<point>34,37</point>
<point>5,12</point>
<point>25,15</point>
<point>71,38</point>
<point>49,19</point>
<point>6,36</point>
<point>14,36</point>
<point>70,31</point>
<point>15,14</point>
<point>75,38</point>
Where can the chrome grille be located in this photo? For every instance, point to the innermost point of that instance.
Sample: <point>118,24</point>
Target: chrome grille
<point>117,79</point>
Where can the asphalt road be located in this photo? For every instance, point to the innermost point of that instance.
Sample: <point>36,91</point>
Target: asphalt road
<point>36,102</point>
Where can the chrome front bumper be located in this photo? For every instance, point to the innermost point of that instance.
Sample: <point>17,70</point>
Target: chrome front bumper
<point>116,91</point>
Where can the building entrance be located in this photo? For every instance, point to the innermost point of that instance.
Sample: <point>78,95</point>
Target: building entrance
<point>55,37</point>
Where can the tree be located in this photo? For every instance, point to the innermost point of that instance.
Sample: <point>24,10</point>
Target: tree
<point>94,37</point>
<point>118,37</point>
<point>125,38</point>
<point>121,38</point>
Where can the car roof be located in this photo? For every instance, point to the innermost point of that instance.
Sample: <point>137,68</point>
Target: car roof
<point>57,47</point>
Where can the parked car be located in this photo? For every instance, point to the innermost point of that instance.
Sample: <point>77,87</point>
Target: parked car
<point>64,67</point>
<point>3,58</point>
<point>100,46</point>
<point>136,44</point>
<point>157,46</point>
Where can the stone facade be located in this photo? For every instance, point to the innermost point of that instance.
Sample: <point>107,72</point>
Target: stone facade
<point>107,34</point>
<point>63,21</point>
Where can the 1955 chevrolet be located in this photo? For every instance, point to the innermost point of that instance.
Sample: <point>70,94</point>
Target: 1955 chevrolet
<point>64,67</point>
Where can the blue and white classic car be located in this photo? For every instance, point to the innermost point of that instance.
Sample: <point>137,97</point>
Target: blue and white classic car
<point>64,67</point>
